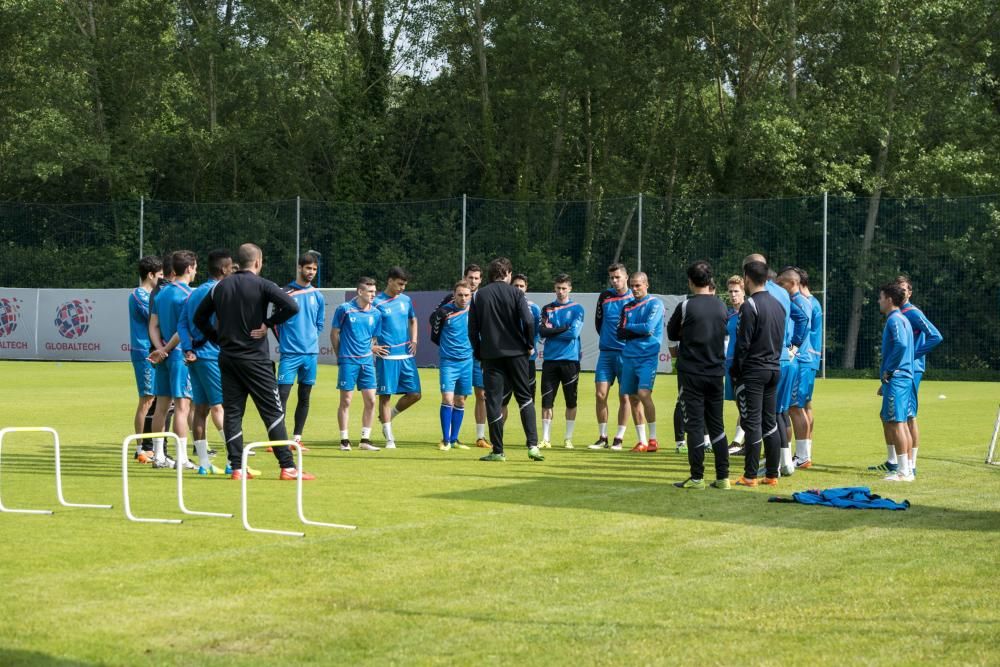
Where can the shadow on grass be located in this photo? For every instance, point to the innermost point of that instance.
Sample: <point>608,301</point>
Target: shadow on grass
<point>14,658</point>
<point>737,506</point>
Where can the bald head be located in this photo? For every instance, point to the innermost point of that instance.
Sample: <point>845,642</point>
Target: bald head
<point>250,257</point>
<point>755,257</point>
<point>639,283</point>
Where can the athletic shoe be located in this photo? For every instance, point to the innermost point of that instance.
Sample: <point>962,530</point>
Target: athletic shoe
<point>253,473</point>
<point>602,443</point>
<point>545,444</point>
<point>738,450</point>
<point>253,452</point>
<point>210,470</point>
<point>567,444</point>
<point>720,484</point>
<point>914,471</point>
<point>769,481</point>
<point>458,445</point>
<point>165,462</point>
<point>367,445</point>
<point>211,453</point>
<point>616,446</point>
<point>743,481</point>
<point>482,443</point>
<point>640,447</point>
<point>690,483</point>
<point>653,446</point>
<point>493,456</point>
<point>444,446</point>
<point>535,454</point>
<point>292,473</point>
<point>786,470</point>
<point>145,457</point>
<point>390,444</point>
<point>345,445</point>
<point>188,465</point>
<point>898,477</point>
<point>238,474</point>
<point>682,448</point>
<point>299,444</point>
<point>802,464</point>
<point>884,467</point>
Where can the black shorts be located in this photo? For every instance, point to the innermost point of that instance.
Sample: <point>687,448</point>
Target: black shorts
<point>555,373</point>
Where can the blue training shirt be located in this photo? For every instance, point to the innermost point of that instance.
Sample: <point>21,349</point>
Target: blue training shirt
<point>781,294</point>
<point>563,346</point>
<point>609,311</point>
<point>168,306</point>
<point>138,320</point>
<point>454,344</point>
<point>801,313</point>
<point>925,335</point>
<point>732,324</point>
<point>816,332</point>
<point>897,347</point>
<point>358,328</point>
<point>643,320</point>
<point>397,311</point>
<point>300,333</point>
<point>191,336</point>
<point>536,313</point>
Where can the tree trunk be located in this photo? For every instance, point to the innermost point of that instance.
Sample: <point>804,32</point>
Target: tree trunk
<point>863,269</point>
<point>790,54</point>
<point>489,181</point>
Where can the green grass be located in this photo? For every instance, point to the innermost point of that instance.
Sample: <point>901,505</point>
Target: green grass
<point>587,558</point>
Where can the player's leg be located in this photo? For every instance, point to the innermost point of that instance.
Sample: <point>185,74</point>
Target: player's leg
<point>161,387</point>
<point>307,380</point>
<point>912,423</point>
<point>801,409</point>
<point>234,402</point>
<point>570,383</point>
<point>770,426</point>
<point>604,374</point>
<point>494,380</point>
<point>367,418</point>
<point>516,373</point>
<point>714,396</point>
<point>144,386</point>
<point>679,442</point>
<point>692,404</point>
<point>264,392</point>
<point>550,386</point>
<point>409,385</point>
<point>647,378</point>
<point>896,411</point>
<point>749,393</point>
<point>180,391</point>
<point>347,379</point>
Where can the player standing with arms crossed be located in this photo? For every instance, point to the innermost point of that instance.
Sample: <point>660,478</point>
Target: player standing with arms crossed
<point>450,332</point>
<point>640,325</point>
<point>561,324</point>
<point>609,360</point>
<point>396,372</point>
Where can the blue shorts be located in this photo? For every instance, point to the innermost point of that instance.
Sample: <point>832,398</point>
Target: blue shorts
<point>783,397</point>
<point>802,385</point>
<point>477,374</point>
<point>161,379</point>
<point>456,376</point>
<point>637,374</point>
<point>355,376</point>
<point>729,395</point>
<point>397,376</point>
<point>293,366</point>
<point>180,378</point>
<point>143,373</point>
<point>206,382</point>
<point>897,400</point>
<point>609,367</point>
<point>917,377</point>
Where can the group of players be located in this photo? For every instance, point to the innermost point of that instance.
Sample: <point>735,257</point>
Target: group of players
<point>763,352</point>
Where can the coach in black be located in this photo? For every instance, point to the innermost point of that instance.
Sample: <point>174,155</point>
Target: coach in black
<point>502,332</point>
<point>699,325</point>
<point>755,371</point>
<point>240,304</point>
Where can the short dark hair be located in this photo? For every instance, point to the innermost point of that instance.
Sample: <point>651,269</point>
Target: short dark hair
<point>182,260</point>
<point>756,272</point>
<point>399,273</point>
<point>498,268</point>
<point>218,260</point>
<point>895,293</point>
<point>520,276</point>
<point>562,278</point>
<point>803,276</point>
<point>149,264</point>
<point>365,281</point>
<point>700,273</point>
<point>307,258</point>
<point>617,266</point>
<point>789,275</point>
<point>903,279</point>
<point>473,268</point>
<point>247,253</point>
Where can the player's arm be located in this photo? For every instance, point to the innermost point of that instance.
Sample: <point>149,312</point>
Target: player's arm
<point>674,325</point>
<point>800,326</point>
<point>894,355</point>
<point>321,315</point>
<point>202,318</point>
<point>932,337</point>
<point>413,327</point>
<point>647,325</point>
<point>437,322</point>
<point>184,333</point>
<point>527,319</point>
<point>599,312</point>
<point>474,328</point>
<point>744,334</point>
<point>285,307</point>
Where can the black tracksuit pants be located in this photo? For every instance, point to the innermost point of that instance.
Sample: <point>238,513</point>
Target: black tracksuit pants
<point>509,372</point>
<point>250,377</point>
<point>756,394</point>
<point>701,400</point>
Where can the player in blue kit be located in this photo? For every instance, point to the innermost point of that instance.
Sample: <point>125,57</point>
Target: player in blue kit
<point>737,294</point>
<point>640,325</point>
<point>396,372</point>
<point>298,342</point>
<point>450,332</point>
<point>202,358</point>
<point>800,354</point>
<point>808,367</point>
<point>150,270</point>
<point>520,281</point>
<point>165,314</point>
<point>562,322</point>
<point>896,372</point>
<point>609,360</point>
<point>356,325</point>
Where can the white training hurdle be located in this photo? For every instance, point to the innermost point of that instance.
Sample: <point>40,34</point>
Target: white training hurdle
<point>298,466</point>
<point>59,489</point>
<point>991,451</point>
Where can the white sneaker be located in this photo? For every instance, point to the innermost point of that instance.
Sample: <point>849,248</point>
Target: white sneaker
<point>786,470</point>
<point>187,465</point>
<point>367,446</point>
<point>390,444</point>
<point>567,443</point>
<point>898,477</point>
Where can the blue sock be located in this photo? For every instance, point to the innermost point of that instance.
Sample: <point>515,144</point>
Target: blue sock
<point>446,417</point>
<point>456,423</point>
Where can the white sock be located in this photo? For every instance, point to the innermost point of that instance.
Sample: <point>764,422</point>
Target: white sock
<point>913,458</point>
<point>904,465</point>
<point>297,437</point>
<point>201,449</point>
<point>393,413</point>
<point>158,448</point>
<point>740,436</point>
<point>344,435</point>
<point>546,429</point>
<point>366,432</point>
<point>570,425</point>
<point>620,433</point>
<point>641,430</point>
<point>603,429</point>
<point>891,456</point>
<point>708,442</point>
<point>809,448</point>
<point>786,456</point>
<point>387,432</point>
<point>182,450</point>
<point>480,431</point>
<point>652,430</point>
<point>800,450</point>
<point>679,443</point>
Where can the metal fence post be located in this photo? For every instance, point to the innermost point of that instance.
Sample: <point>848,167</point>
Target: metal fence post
<point>142,213</point>
<point>826,312</point>
<point>298,232</point>
<point>639,259</point>
<point>461,270</point>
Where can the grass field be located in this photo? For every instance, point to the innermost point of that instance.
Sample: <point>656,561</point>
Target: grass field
<point>587,558</point>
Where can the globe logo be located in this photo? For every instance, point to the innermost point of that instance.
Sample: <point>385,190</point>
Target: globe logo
<point>73,318</point>
<point>9,308</point>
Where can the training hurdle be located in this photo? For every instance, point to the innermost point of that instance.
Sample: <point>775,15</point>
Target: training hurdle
<point>993,442</point>
<point>180,482</point>
<point>59,489</point>
<point>298,466</point>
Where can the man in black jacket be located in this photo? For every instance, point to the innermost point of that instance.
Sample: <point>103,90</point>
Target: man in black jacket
<point>699,325</point>
<point>502,331</point>
<point>240,305</point>
<point>755,372</point>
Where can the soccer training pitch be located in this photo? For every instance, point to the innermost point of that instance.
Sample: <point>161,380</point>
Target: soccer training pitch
<point>591,557</point>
